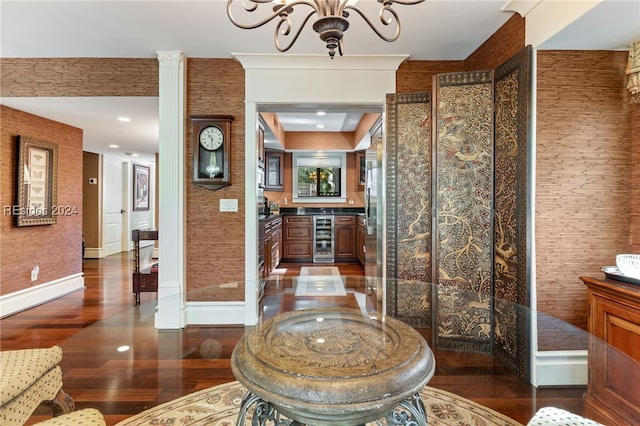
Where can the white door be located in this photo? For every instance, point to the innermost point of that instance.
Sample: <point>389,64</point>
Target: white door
<point>113,209</point>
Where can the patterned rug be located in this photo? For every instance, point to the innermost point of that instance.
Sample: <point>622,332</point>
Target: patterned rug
<point>320,281</point>
<point>219,405</point>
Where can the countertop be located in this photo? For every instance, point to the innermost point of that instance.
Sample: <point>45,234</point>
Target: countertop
<point>321,210</point>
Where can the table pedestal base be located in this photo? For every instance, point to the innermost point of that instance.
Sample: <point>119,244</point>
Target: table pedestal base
<point>408,412</point>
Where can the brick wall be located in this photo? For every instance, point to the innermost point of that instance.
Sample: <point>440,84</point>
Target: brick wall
<point>584,173</point>
<point>78,77</point>
<point>57,248</point>
<point>500,47</point>
<point>215,241</point>
<point>634,240</point>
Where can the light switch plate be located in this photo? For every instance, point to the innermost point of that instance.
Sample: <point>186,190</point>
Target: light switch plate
<point>228,205</point>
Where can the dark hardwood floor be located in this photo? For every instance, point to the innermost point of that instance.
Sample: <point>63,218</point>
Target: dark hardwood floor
<point>160,365</point>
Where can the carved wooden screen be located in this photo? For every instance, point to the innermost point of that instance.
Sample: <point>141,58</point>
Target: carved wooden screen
<point>408,186</point>
<point>469,164</point>
<point>464,202</point>
<point>511,330</point>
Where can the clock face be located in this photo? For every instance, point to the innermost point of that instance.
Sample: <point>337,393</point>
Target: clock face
<point>211,138</point>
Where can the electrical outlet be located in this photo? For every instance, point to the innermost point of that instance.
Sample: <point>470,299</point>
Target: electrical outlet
<point>34,273</point>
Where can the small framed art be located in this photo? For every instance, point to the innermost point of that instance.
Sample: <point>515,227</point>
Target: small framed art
<point>37,182</point>
<point>140,187</point>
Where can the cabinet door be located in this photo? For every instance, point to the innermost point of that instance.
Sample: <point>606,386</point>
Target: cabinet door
<point>273,171</point>
<point>276,243</point>
<point>268,261</point>
<point>345,238</point>
<point>614,351</point>
<point>261,152</point>
<point>360,241</point>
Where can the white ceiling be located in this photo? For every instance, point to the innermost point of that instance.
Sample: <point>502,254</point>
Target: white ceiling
<point>433,30</point>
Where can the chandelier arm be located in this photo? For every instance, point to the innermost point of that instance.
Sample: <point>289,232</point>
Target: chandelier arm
<point>385,8</point>
<point>295,36</point>
<point>253,6</point>
<point>405,2</point>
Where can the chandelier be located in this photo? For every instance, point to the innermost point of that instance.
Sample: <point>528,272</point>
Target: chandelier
<point>331,20</point>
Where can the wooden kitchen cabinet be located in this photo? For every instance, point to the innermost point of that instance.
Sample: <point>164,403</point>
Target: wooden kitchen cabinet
<point>274,174</point>
<point>297,238</point>
<point>145,269</point>
<point>360,235</point>
<point>272,243</point>
<point>345,231</point>
<point>614,318</point>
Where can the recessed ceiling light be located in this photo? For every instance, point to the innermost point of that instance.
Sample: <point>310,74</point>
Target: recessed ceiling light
<point>319,126</point>
<point>114,146</point>
<point>124,119</point>
<point>320,113</point>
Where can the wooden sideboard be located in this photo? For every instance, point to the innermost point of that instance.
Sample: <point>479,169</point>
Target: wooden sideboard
<point>145,269</point>
<point>614,374</point>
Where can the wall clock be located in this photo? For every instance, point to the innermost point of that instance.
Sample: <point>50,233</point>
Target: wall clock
<point>211,136</point>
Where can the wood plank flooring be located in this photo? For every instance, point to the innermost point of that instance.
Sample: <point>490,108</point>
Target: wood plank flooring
<point>160,365</point>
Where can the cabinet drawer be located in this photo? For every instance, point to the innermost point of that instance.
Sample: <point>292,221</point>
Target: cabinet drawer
<point>298,220</point>
<point>345,220</point>
<point>298,250</point>
<point>298,233</point>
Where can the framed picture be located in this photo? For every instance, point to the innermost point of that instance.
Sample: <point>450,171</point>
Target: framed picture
<point>140,187</point>
<point>361,170</point>
<point>37,182</point>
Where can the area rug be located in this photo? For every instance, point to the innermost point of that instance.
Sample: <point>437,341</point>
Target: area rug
<point>320,281</point>
<point>219,405</point>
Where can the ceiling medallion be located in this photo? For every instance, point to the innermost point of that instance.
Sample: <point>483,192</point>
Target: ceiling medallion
<point>331,20</point>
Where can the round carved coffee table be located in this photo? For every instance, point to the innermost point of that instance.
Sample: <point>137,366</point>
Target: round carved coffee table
<point>332,367</point>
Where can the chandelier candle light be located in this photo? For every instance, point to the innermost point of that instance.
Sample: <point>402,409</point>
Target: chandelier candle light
<point>331,20</point>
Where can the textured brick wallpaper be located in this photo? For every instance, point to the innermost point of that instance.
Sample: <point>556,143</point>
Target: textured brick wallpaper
<point>215,241</point>
<point>584,174</point>
<point>78,77</point>
<point>56,248</point>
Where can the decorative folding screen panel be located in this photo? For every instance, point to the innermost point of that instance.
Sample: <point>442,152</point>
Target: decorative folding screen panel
<point>511,329</point>
<point>464,203</point>
<point>408,187</point>
<point>465,162</point>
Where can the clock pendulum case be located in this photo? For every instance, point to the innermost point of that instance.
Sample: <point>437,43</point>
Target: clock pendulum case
<point>211,136</point>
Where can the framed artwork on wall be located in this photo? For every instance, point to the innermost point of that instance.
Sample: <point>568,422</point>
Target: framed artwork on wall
<point>37,182</point>
<point>140,187</point>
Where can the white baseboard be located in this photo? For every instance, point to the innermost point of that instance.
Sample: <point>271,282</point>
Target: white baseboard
<point>560,368</point>
<point>39,294</point>
<point>93,253</point>
<point>215,313</point>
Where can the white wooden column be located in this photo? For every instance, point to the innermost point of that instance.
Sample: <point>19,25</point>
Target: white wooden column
<point>171,203</point>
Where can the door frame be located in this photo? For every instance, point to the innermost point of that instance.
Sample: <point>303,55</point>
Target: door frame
<point>361,80</point>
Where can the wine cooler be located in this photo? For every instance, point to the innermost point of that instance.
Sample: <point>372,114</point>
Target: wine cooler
<point>323,239</point>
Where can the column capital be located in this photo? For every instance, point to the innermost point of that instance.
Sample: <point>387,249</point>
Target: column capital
<point>170,58</point>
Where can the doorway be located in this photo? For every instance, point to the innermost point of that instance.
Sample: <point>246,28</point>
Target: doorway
<point>350,81</point>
